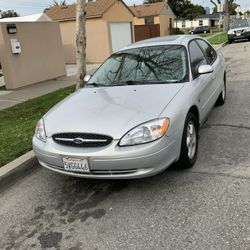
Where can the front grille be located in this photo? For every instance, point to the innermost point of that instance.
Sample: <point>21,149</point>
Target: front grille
<point>83,140</point>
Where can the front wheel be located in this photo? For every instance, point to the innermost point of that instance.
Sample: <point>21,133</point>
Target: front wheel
<point>189,144</point>
<point>222,97</point>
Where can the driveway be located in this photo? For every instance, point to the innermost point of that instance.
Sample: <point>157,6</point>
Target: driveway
<point>206,207</point>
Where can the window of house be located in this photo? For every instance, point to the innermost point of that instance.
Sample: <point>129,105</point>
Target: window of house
<point>183,24</point>
<point>200,22</point>
<point>149,20</point>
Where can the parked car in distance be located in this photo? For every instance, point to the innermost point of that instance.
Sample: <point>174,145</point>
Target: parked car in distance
<point>200,30</point>
<point>140,112</point>
<point>239,29</point>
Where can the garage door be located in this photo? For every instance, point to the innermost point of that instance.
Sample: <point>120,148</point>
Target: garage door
<point>120,35</point>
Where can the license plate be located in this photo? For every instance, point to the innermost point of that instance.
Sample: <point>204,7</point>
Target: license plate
<point>76,165</point>
<point>238,34</point>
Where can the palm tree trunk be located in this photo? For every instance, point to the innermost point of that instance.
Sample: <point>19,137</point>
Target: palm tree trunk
<point>226,17</point>
<point>80,42</point>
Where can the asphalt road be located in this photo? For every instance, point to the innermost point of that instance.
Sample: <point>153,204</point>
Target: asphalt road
<point>207,207</point>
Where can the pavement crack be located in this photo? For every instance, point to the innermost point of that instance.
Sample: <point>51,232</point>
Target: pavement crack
<point>225,125</point>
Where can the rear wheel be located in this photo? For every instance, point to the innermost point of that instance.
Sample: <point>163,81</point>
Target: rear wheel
<point>189,144</point>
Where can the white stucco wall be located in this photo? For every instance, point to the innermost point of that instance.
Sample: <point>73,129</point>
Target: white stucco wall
<point>189,24</point>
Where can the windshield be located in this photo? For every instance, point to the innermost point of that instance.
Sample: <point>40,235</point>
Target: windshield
<point>239,24</point>
<point>147,65</point>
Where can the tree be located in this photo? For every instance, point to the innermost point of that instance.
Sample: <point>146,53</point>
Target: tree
<point>56,3</point>
<point>215,4</point>
<point>8,13</point>
<point>193,11</point>
<point>80,42</point>
<point>227,16</point>
<point>185,9</point>
<point>232,7</point>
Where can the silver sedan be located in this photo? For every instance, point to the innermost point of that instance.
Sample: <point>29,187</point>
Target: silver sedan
<point>140,112</point>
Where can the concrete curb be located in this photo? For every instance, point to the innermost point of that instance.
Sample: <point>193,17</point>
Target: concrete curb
<point>12,171</point>
<point>222,45</point>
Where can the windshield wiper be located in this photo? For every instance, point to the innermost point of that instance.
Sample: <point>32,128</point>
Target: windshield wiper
<point>131,82</point>
<point>145,82</point>
<point>96,84</point>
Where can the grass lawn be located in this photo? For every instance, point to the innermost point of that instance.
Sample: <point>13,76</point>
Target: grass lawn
<point>205,34</point>
<point>17,123</point>
<point>219,39</point>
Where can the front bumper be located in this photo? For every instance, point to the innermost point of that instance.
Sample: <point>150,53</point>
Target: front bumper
<point>238,36</point>
<point>112,161</point>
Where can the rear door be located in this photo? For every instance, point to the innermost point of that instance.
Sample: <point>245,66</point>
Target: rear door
<point>121,35</point>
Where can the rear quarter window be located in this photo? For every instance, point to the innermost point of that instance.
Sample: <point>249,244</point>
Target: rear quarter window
<point>208,50</point>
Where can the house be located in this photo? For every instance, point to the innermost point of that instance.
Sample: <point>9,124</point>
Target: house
<point>30,50</point>
<point>152,20</point>
<point>108,28</point>
<point>210,20</point>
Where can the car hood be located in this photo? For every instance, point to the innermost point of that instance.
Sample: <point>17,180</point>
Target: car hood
<point>109,110</point>
<point>238,29</point>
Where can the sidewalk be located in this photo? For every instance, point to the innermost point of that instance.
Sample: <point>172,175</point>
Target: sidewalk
<point>13,97</point>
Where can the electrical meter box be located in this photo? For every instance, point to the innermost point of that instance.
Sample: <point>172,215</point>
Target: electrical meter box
<point>15,46</point>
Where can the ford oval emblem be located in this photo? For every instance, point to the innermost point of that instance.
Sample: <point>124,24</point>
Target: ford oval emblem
<point>78,140</point>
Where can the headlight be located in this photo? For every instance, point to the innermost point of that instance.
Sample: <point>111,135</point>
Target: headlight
<point>146,132</point>
<point>40,131</point>
<point>230,32</point>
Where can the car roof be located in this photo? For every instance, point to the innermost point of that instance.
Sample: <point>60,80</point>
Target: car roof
<point>163,40</point>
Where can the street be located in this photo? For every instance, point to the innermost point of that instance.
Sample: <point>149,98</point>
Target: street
<point>206,207</point>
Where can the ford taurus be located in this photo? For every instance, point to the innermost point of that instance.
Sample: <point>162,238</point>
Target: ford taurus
<point>140,112</point>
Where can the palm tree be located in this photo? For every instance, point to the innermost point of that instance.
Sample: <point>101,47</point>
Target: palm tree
<point>56,3</point>
<point>80,42</point>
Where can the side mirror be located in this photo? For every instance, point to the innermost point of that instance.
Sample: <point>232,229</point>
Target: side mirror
<point>205,69</point>
<point>86,78</point>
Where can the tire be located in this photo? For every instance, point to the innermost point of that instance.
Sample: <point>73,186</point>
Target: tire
<point>223,95</point>
<point>189,153</point>
<point>230,41</point>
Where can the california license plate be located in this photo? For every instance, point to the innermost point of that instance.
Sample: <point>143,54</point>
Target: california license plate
<point>76,165</point>
<point>238,34</point>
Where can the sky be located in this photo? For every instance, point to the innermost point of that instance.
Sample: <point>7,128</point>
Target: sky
<point>28,7</point>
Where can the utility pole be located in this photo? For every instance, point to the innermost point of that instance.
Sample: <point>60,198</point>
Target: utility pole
<point>80,42</point>
<point>227,16</point>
